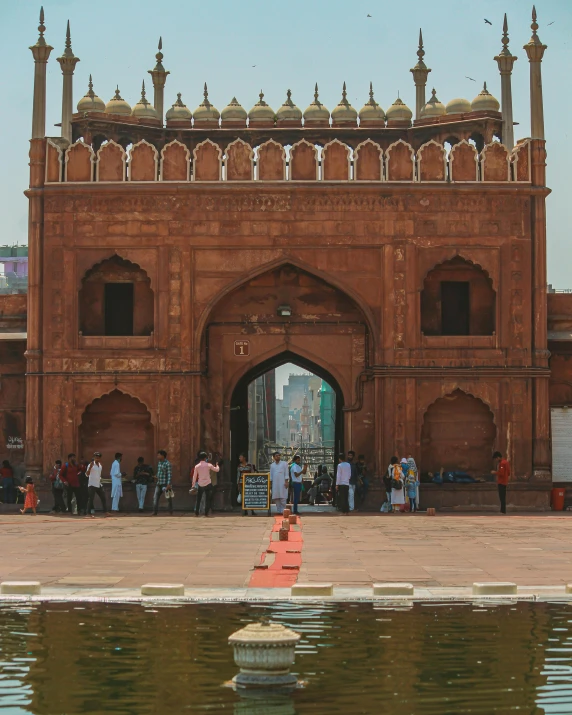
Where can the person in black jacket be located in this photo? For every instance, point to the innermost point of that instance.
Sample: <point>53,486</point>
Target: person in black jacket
<point>387,483</point>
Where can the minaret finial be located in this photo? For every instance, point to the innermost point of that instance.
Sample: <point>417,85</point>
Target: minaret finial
<point>505,52</point>
<point>68,37</point>
<point>41,28</point>
<point>160,46</point>
<point>420,51</point>
<point>159,56</point>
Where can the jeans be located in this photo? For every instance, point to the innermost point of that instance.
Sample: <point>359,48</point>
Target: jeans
<point>280,505</point>
<point>92,491</point>
<point>351,496</point>
<point>141,490</point>
<point>364,490</point>
<point>208,492</point>
<point>58,495</point>
<point>70,492</point>
<point>343,502</point>
<point>8,490</point>
<point>297,489</point>
<point>502,497</point>
<point>413,503</point>
<point>157,496</point>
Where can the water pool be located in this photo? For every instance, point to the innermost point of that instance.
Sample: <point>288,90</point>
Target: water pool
<point>430,659</point>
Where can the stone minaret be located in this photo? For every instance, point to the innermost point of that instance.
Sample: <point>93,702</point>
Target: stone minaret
<point>420,73</point>
<point>67,61</point>
<point>41,52</point>
<point>535,51</point>
<point>505,61</point>
<point>159,75</point>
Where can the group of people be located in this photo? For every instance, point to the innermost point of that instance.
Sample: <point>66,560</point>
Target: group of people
<point>401,483</point>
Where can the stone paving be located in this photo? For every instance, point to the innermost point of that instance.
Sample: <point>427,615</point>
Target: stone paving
<point>446,551</point>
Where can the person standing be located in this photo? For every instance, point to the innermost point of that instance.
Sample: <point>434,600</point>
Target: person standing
<point>502,473</point>
<point>343,477</point>
<point>397,485</point>
<point>363,479</point>
<point>164,476</point>
<point>70,477</point>
<point>7,482</point>
<point>279,481</point>
<point>297,475</point>
<point>244,467</point>
<point>31,497</point>
<point>83,486</point>
<point>142,476</point>
<point>57,488</point>
<point>202,478</point>
<point>116,485</point>
<point>94,487</point>
<point>353,480</point>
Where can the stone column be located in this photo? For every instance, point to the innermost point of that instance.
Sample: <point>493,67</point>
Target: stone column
<point>505,61</point>
<point>67,61</point>
<point>41,52</point>
<point>541,435</point>
<point>420,73</point>
<point>159,75</point>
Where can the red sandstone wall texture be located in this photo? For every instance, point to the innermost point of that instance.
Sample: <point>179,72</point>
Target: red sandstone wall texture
<point>199,243</point>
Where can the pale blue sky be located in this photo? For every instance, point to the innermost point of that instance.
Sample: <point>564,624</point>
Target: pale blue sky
<point>293,44</point>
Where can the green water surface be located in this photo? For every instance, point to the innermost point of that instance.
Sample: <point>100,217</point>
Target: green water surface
<point>136,659</point>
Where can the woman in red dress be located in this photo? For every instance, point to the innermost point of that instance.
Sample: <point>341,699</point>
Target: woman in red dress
<point>31,497</point>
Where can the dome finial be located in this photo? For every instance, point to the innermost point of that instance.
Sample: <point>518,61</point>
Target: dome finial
<point>316,95</point>
<point>117,93</point>
<point>371,99</point>
<point>143,97</point>
<point>90,92</point>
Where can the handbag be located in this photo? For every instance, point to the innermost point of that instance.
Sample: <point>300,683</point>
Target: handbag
<point>58,484</point>
<point>239,499</point>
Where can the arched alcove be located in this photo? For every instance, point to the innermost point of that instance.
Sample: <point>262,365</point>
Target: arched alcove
<point>117,422</point>
<point>458,434</point>
<point>116,299</point>
<point>458,299</point>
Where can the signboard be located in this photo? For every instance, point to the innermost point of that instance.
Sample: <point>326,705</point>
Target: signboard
<point>561,421</point>
<point>15,443</point>
<point>256,491</point>
<point>242,348</point>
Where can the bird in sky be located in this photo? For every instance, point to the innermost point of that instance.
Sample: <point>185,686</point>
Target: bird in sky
<point>472,80</point>
<point>551,23</point>
<point>254,65</point>
<point>488,21</point>
<point>370,16</point>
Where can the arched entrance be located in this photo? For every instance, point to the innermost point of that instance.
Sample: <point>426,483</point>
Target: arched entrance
<point>239,422</point>
<point>114,423</point>
<point>458,434</point>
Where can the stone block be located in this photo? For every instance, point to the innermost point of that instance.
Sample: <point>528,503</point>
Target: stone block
<point>500,588</point>
<point>393,589</point>
<point>163,589</point>
<point>431,511</point>
<point>283,535</point>
<point>312,589</point>
<point>286,513</point>
<point>21,588</point>
<point>293,519</point>
<point>286,524</point>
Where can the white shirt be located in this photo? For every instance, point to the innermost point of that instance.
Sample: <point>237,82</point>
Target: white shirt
<point>295,472</point>
<point>279,479</point>
<point>94,478</point>
<point>344,473</point>
<point>115,470</point>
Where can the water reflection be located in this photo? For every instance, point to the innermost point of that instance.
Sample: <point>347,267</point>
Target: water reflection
<point>355,658</point>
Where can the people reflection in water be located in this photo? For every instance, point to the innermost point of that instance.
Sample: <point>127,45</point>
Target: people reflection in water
<point>244,467</point>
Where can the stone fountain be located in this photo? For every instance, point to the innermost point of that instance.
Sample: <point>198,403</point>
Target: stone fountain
<point>264,653</point>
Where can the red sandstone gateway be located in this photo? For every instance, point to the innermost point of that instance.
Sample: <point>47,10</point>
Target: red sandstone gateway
<point>400,259</point>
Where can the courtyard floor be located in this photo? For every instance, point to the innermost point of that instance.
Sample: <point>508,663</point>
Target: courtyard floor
<point>74,554</point>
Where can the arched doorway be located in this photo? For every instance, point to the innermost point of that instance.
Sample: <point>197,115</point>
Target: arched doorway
<point>114,423</point>
<point>458,434</point>
<point>239,422</point>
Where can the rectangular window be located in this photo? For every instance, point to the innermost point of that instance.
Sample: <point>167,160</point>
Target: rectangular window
<point>455,308</point>
<point>119,309</point>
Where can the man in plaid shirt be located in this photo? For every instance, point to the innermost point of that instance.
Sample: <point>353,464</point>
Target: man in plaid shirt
<point>164,475</point>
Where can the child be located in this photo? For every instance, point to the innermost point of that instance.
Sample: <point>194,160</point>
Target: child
<point>411,487</point>
<point>31,498</point>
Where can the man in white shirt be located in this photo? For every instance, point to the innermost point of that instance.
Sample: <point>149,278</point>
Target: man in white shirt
<point>116,486</point>
<point>343,476</point>
<point>296,475</point>
<point>94,484</point>
<point>279,480</point>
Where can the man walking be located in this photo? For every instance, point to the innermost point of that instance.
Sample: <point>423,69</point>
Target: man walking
<point>142,476</point>
<point>94,484</point>
<point>502,474</point>
<point>116,486</point>
<point>279,481</point>
<point>343,476</point>
<point>353,479</point>
<point>70,477</point>
<point>296,475</point>
<point>164,476</point>
<point>202,476</point>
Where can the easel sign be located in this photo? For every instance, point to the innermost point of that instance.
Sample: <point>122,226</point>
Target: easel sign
<point>256,492</point>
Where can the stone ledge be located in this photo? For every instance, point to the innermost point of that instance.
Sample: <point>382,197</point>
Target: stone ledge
<point>500,588</point>
<point>312,589</point>
<point>393,589</point>
<point>30,588</point>
<point>163,589</point>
